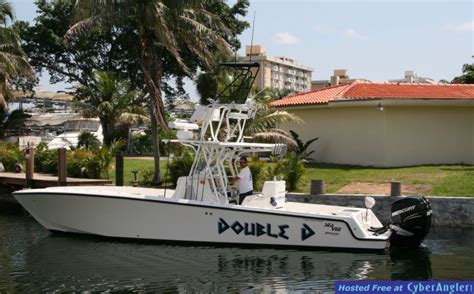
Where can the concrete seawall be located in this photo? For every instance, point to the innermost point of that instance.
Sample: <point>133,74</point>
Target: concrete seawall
<point>447,211</point>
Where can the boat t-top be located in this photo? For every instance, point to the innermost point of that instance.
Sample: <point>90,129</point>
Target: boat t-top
<point>202,208</point>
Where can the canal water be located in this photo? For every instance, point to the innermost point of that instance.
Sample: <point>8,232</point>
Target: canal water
<point>33,260</point>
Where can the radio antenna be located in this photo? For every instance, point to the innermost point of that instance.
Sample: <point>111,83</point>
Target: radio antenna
<point>253,31</point>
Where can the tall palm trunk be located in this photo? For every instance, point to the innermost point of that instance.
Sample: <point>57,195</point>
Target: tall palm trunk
<point>108,132</point>
<point>152,67</point>
<point>156,146</point>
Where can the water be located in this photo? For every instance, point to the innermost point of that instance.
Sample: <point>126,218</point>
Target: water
<point>33,260</point>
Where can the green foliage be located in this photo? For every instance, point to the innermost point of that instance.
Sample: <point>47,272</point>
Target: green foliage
<point>114,102</point>
<point>13,61</point>
<point>153,43</point>
<point>180,166</point>
<point>302,147</point>
<point>10,155</point>
<point>145,178</point>
<point>467,77</point>
<point>88,141</point>
<point>259,172</point>
<point>265,126</point>
<point>78,164</point>
<point>11,121</point>
<point>46,161</point>
<point>292,170</point>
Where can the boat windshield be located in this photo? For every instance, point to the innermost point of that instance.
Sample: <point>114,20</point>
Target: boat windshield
<point>82,125</point>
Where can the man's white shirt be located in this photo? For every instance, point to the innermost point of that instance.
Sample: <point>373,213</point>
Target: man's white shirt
<point>245,182</point>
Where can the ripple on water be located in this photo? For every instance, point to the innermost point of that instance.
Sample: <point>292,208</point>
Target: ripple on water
<point>33,260</point>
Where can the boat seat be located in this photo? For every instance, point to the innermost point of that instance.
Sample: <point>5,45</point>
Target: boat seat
<point>180,190</point>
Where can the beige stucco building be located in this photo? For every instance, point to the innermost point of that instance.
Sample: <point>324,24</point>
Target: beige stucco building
<point>278,72</point>
<point>387,125</point>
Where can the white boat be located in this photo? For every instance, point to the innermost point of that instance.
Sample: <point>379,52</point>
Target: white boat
<point>72,129</point>
<point>200,210</point>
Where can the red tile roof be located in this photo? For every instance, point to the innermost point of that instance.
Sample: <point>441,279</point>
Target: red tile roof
<point>370,91</point>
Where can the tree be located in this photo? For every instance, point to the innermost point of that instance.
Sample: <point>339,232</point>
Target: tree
<point>467,77</point>
<point>113,101</point>
<point>112,35</point>
<point>168,33</point>
<point>265,125</point>
<point>105,49</point>
<point>13,62</point>
<point>88,140</point>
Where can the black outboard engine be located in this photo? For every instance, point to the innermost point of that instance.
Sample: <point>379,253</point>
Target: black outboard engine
<point>411,221</point>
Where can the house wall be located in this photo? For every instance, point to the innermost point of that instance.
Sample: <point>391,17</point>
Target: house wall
<point>397,136</point>
<point>429,135</point>
<point>346,135</point>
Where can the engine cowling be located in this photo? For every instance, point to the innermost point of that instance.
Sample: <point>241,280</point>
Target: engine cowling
<point>411,221</point>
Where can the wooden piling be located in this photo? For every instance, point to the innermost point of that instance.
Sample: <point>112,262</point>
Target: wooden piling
<point>395,189</point>
<point>30,166</point>
<point>317,187</point>
<point>62,167</point>
<point>119,169</point>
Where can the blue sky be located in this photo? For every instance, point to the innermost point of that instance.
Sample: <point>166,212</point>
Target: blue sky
<point>376,40</point>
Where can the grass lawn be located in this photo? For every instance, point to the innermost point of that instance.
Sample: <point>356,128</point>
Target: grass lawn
<point>136,164</point>
<point>449,180</point>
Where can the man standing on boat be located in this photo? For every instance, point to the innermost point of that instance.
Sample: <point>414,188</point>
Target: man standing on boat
<point>244,180</point>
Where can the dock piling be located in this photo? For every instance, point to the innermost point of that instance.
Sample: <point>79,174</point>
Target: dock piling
<point>62,167</point>
<point>30,166</point>
<point>119,169</point>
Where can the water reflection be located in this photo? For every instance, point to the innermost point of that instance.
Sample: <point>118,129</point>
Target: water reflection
<point>67,263</point>
<point>410,264</point>
<point>33,260</point>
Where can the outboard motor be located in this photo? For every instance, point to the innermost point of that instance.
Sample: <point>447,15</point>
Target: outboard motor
<point>411,221</point>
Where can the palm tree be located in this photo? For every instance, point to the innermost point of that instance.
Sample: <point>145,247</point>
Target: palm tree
<point>13,62</point>
<point>265,126</point>
<point>113,101</point>
<point>164,27</point>
<point>88,140</point>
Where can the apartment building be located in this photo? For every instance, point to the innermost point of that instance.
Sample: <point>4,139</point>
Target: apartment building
<point>278,72</point>
<point>340,77</point>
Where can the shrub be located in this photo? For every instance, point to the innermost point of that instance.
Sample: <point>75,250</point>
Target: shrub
<point>180,166</point>
<point>46,161</point>
<point>145,178</point>
<point>78,163</point>
<point>258,169</point>
<point>291,169</point>
<point>10,155</point>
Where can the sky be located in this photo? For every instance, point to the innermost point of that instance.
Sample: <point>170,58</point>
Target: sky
<point>374,40</point>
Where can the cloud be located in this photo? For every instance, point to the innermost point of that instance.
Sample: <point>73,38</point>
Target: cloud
<point>285,38</point>
<point>460,28</point>
<point>353,34</point>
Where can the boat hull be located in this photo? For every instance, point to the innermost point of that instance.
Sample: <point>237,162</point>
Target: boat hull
<point>159,218</point>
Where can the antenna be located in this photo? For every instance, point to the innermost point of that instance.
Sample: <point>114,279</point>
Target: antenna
<point>251,40</point>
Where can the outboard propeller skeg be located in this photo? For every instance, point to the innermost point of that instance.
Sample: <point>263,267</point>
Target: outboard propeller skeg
<point>411,221</point>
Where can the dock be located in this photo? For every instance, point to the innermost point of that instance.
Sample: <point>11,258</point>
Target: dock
<point>45,180</point>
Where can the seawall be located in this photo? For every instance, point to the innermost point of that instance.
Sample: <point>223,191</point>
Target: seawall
<point>447,211</point>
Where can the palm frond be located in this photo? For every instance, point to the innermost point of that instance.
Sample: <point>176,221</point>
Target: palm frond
<point>275,136</point>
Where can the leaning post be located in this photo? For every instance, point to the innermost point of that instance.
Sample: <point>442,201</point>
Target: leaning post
<point>62,167</point>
